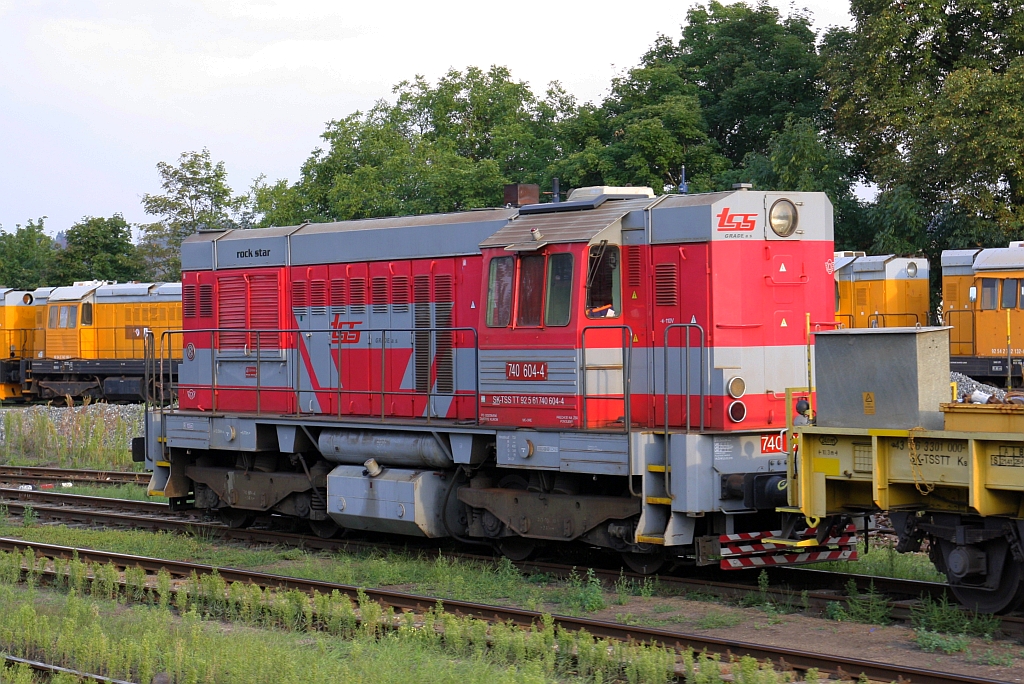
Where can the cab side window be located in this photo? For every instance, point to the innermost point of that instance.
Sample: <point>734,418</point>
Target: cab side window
<point>989,293</point>
<point>531,290</point>
<point>604,293</point>
<point>52,323</point>
<point>558,305</point>
<point>68,316</point>
<point>87,313</point>
<point>499,292</point>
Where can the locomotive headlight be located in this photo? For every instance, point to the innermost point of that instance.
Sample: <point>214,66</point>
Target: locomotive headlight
<point>912,269</point>
<point>737,387</point>
<point>782,218</point>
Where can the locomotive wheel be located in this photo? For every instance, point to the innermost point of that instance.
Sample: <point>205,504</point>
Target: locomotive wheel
<point>643,563</point>
<point>1003,599</point>
<point>516,548</point>
<point>325,529</point>
<point>236,518</point>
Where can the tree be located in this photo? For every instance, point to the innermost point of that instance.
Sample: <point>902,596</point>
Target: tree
<point>196,197</point>
<point>804,158</point>
<point>750,69</point>
<point>450,146</point>
<point>26,256</point>
<point>928,95</point>
<point>97,249</point>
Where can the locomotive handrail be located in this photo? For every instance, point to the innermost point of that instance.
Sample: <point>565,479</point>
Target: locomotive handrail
<point>295,385</point>
<point>626,346</point>
<point>844,316</point>
<point>668,435</point>
<point>877,315</point>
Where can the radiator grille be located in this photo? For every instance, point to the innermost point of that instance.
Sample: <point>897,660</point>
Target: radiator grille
<point>666,284</point>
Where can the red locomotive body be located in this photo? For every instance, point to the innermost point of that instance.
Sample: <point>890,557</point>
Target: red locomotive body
<point>555,348</point>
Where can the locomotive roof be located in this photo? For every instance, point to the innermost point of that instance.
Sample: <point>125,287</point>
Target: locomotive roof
<point>403,237</point>
<point>1000,259</point>
<point>581,225</point>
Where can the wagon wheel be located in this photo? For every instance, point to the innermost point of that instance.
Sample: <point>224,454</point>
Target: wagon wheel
<point>644,563</point>
<point>516,548</point>
<point>1007,596</point>
<point>236,518</point>
<point>325,529</point>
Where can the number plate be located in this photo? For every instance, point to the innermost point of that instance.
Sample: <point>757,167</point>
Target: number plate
<point>526,370</point>
<point>773,443</point>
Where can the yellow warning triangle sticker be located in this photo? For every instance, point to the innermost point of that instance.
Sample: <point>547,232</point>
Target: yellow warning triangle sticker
<point>782,268</point>
<point>783,324</point>
<point>635,338</point>
<point>634,294</point>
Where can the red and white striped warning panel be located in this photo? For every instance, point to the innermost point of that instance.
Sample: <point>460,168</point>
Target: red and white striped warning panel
<point>748,549</point>
<point>787,559</point>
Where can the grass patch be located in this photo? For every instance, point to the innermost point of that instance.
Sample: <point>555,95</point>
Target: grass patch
<point>930,642</point>
<point>96,436</point>
<point>714,619</point>
<point>884,561</point>
<point>101,636</point>
<point>131,492</point>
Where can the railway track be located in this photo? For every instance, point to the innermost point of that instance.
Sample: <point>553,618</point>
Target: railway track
<point>801,587</point>
<point>406,602</point>
<point>35,475</point>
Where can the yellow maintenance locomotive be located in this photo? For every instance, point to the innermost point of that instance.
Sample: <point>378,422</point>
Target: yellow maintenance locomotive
<point>881,291</point>
<point>84,340</point>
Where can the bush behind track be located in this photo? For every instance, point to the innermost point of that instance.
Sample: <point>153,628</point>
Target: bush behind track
<point>96,436</point>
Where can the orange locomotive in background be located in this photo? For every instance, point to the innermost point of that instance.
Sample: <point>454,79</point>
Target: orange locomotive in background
<point>883,291</point>
<point>84,340</point>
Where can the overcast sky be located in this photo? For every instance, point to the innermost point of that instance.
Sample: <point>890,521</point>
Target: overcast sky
<point>94,94</point>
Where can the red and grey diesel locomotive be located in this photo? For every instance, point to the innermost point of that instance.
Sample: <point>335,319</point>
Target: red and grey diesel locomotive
<point>609,370</point>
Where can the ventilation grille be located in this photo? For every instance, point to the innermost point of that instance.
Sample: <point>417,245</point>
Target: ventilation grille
<point>318,297</point>
<point>634,264</point>
<point>263,311</point>
<point>206,301</point>
<point>952,292</point>
<point>188,301</point>
<point>444,291</point>
<point>421,340</point>
<point>666,284</point>
<point>338,292</point>
<point>862,458</point>
<point>357,295</point>
<point>400,294</point>
<point>300,294</point>
<point>230,311</point>
<point>862,296</point>
<point>379,292</point>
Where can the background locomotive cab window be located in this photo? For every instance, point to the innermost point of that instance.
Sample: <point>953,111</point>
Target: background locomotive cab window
<point>604,296</point>
<point>1009,300</point>
<point>87,313</point>
<point>63,316</point>
<point>989,293</point>
<point>499,292</point>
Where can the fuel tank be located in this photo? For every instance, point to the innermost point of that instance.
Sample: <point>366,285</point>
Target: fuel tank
<point>401,449</point>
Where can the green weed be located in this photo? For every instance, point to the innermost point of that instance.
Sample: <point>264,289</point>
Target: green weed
<point>948,618</point>
<point>929,642</point>
<point>884,561</point>
<point>583,594</point>
<point>29,517</point>
<point>871,608</point>
<point>96,436</point>
<point>714,619</point>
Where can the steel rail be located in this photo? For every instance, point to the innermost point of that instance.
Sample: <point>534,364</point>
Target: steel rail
<point>680,641</point>
<point>57,669</point>
<point>802,587</point>
<point>31,474</point>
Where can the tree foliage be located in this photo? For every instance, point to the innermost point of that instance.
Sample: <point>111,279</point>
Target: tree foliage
<point>195,197</point>
<point>97,249</point>
<point>26,256</point>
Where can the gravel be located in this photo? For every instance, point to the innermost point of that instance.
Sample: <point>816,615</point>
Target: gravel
<point>965,385</point>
